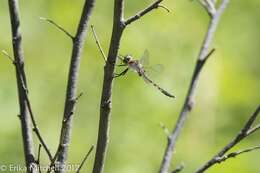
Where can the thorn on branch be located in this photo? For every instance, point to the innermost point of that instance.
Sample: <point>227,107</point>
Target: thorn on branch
<point>57,26</point>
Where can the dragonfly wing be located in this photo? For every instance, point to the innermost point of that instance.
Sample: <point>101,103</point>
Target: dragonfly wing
<point>148,80</point>
<point>158,68</point>
<point>144,60</point>
<point>154,70</point>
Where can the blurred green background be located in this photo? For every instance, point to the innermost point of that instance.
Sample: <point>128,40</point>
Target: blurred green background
<point>228,88</point>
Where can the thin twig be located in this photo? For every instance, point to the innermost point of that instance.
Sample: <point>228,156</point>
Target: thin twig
<point>98,43</point>
<point>165,129</point>
<point>178,169</point>
<point>253,129</point>
<point>27,136</point>
<point>71,92</point>
<point>234,154</point>
<point>164,7</point>
<point>204,54</point>
<point>57,26</point>
<point>209,7</point>
<point>141,13</point>
<point>240,136</point>
<point>79,96</point>
<point>39,157</point>
<point>187,107</point>
<point>8,56</point>
<point>28,103</point>
<point>39,153</point>
<point>52,164</point>
<point>85,158</point>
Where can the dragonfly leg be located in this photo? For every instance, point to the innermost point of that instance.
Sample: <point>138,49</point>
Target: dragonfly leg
<point>121,74</point>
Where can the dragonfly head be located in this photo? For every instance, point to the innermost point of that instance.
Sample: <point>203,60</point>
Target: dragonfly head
<point>127,58</point>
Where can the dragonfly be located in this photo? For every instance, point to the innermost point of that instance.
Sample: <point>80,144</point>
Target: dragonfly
<point>139,66</point>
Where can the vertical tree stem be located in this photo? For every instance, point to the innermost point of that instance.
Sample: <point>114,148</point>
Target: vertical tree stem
<point>71,93</point>
<point>106,98</point>
<point>22,86</point>
<point>189,101</point>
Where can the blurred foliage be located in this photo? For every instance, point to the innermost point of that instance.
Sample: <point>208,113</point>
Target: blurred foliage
<point>228,89</point>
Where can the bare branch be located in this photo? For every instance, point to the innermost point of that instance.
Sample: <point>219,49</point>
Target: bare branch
<point>209,7</point>
<point>187,107</point>
<point>106,98</point>
<point>240,136</point>
<point>38,158</point>
<point>204,54</point>
<point>141,13</point>
<point>222,6</point>
<point>98,43</point>
<point>234,154</point>
<point>25,90</point>
<point>39,153</point>
<point>253,129</point>
<point>85,158</point>
<point>20,77</point>
<point>78,44</point>
<point>52,164</point>
<point>250,122</point>
<point>57,26</point>
<point>37,132</point>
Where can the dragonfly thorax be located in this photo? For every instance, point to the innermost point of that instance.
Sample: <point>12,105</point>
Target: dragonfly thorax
<point>139,66</point>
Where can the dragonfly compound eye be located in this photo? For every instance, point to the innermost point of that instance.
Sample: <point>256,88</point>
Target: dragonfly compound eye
<point>127,58</point>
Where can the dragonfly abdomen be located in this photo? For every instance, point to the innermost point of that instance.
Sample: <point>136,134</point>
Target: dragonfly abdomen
<point>158,87</point>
